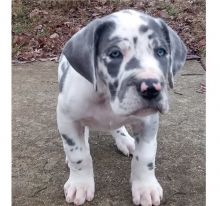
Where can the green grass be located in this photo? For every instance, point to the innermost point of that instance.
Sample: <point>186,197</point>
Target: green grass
<point>21,27</point>
<point>17,48</point>
<point>20,18</point>
<point>60,11</point>
<point>171,10</point>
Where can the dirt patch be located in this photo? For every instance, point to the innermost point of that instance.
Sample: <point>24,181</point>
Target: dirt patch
<point>40,28</point>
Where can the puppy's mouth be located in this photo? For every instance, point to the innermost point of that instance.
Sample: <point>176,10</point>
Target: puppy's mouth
<point>150,110</point>
<point>143,112</point>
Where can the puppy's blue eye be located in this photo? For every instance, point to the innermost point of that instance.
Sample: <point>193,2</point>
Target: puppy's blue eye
<point>161,52</point>
<point>115,54</point>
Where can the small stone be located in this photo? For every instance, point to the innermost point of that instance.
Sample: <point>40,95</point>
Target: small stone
<point>34,13</point>
<point>39,27</point>
<point>54,36</point>
<point>164,14</point>
<point>68,23</point>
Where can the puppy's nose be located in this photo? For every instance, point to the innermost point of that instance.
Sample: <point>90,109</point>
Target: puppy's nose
<point>149,88</point>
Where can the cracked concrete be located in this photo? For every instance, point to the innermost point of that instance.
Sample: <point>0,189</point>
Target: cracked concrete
<point>38,166</point>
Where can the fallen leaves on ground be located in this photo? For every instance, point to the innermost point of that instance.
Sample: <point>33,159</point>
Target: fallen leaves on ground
<point>41,28</point>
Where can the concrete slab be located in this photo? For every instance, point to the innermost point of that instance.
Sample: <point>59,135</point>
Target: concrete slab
<point>38,167</point>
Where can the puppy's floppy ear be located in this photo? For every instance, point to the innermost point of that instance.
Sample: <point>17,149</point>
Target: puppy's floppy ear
<point>178,51</point>
<point>81,49</point>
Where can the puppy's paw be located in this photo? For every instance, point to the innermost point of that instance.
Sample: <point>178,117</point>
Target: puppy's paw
<point>125,144</point>
<point>147,193</point>
<point>79,191</point>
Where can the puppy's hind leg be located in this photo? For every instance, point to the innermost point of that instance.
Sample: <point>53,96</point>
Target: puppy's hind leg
<point>125,143</point>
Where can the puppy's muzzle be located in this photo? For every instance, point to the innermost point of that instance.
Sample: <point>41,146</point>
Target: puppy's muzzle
<point>149,88</point>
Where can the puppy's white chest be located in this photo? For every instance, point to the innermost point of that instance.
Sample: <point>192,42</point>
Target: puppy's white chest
<point>100,116</point>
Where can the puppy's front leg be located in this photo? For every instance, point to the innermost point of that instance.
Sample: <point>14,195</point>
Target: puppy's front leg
<point>80,185</point>
<point>145,188</point>
<point>125,143</point>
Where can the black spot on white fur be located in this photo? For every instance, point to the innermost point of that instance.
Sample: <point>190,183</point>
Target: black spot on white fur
<point>143,28</point>
<point>113,89</point>
<point>63,77</point>
<point>113,66</point>
<point>135,40</point>
<point>69,141</point>
<point>150,166</point>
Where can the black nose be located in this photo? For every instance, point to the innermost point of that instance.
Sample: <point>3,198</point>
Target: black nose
<point>149,88</point>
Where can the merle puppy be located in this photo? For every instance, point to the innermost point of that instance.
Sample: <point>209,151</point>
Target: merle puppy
<point>115,72</point>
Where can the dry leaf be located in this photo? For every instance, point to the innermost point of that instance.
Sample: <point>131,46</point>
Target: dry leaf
<point>54,36</point>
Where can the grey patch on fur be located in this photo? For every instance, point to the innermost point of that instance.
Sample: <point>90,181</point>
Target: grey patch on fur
<point>171,42</point>
<point>150,36</point>
<point>137,158</point>
<point>135,40</point>
<point>76,148</point>
<point>71,150</point>
<point>178,51</point>
<point>137,140</point>
<point>113,66</point>
<point>69,141</point>
<point>115,83</point>
<point>80,169</point>
<point>161,38</point>
<point>123,134</point>
<point>63,77</point>
<point>113,89</point>
<point>150,166</point>
<point>104,48</point>
<point>134,63</point>
<point>80,149</point>
<point>143,28</point>
<point>62,67</point>
<point>81,49</point>
<point>125,85</point>
<point>151,23</point>
<point>78,162</point>
<point>118,131</point>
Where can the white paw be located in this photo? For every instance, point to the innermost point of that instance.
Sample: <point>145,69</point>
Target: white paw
<point>125,144</point>
<point>79,191</point>
<point>147,193</point>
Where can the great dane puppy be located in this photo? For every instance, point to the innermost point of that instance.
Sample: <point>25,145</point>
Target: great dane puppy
<point>115,72</point>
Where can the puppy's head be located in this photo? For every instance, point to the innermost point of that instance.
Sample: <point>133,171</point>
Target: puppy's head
<point>132,55</point>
